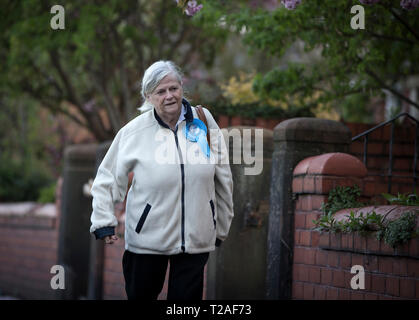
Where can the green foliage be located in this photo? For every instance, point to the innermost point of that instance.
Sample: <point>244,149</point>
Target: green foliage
<point>402,199</point>
<point>339,198</point>
<point>47,194</point>
<point>327,223</point>
<point>255,110</point>
<point>342,198</point>
<point>394,232</point>
<point>29,136</point>
<point>95,63</point>
<point>362,224</point>
<point>400,230</point>
<point>21,183</point>
<point>354,108</point>
<point>340,62</point>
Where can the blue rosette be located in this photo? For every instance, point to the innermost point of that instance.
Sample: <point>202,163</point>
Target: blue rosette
<point>196,131</point>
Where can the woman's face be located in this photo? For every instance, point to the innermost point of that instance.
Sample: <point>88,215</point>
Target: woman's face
<point>167,97</point>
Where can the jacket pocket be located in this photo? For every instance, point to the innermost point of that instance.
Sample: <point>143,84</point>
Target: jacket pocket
<point>213,213</point>
<point>143,217</point>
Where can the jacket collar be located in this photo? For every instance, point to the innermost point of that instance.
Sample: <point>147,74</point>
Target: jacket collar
<point>188,114</point>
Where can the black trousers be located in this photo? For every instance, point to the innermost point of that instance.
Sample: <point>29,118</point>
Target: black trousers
<point>145,273</point>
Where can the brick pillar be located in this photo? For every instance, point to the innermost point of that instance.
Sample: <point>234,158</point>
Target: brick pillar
<point>237,269</point>
<point>294,140</point>
<point>76,208</point>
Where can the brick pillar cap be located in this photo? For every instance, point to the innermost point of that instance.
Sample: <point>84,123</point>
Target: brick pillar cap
<point>81,151</point>
<point>336,164</point>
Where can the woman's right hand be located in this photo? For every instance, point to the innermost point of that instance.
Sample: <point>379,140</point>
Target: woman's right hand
<point>110,239</point>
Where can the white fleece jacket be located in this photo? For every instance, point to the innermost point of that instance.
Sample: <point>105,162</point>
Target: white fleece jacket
<point>178,201</point>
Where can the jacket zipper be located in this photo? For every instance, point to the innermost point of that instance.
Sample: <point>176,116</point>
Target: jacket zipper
<point>213,213</point>
<point>143,218</point>
<point>182,170</point>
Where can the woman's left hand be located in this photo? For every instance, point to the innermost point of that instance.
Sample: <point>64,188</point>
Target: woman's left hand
<point>110,239</point>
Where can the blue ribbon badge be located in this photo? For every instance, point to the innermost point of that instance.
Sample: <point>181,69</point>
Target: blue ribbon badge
<point>196,131</point>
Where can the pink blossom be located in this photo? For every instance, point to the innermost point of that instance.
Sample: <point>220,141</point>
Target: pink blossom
<point>192,8</point>
<point>409,4</point>
<point>290,4</point>
<point>369,1</point>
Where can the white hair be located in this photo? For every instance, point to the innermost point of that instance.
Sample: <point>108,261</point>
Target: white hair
<point>152,78</point>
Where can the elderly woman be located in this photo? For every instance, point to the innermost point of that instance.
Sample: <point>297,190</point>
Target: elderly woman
<point>176,211</point>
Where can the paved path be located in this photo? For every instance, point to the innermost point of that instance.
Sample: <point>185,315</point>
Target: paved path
<point>8,298</point>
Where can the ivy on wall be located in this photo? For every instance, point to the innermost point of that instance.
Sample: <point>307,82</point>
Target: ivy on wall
<point>394,233</point>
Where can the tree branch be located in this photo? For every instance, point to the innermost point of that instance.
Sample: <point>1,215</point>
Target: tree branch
<point>393,91</point>
<point>127,106</point>
<point>48,78</point>
<point>404,23</point>
<point>113,114</point>
<point>51,106</point>
<point>391,38</point>
<point>55,60</point>
<point>184,33</point>
<point>161,20</point>
<point>94,122</point>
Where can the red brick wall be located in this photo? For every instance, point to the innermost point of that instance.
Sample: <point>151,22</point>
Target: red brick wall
<point>28,250</point>
<point>113,279</point>
<point>322,261</point>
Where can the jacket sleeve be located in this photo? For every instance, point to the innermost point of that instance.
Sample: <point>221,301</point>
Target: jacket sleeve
<point>109,187</point>
<point>223,180</point>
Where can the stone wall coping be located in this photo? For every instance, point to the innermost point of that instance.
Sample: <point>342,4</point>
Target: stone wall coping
<point>336,164</point>
<point>24,209</point>
<point>390,212</point>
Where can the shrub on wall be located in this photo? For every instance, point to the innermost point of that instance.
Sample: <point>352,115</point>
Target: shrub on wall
<point>402,199</point>
<point>20,181</point>
<point>394,232</point>
<point>342,198</point>
<point>47,194</point>
<point>255,110</point>
<point>401,230</point>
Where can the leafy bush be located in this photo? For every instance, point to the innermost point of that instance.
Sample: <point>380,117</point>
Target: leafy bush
<point>400,230</point>
<point>19,182</point>
<point>47,194</point>
<point>339,198</point>
<point>327,223</point>
<point>394,233</point>
<point>402,199</point>
<point>342,198</point>
<point>255,110</point>
<point>362,224</point>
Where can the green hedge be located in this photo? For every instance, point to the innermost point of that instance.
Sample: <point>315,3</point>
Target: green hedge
<point>21,182</point>
<point>256,110</point>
